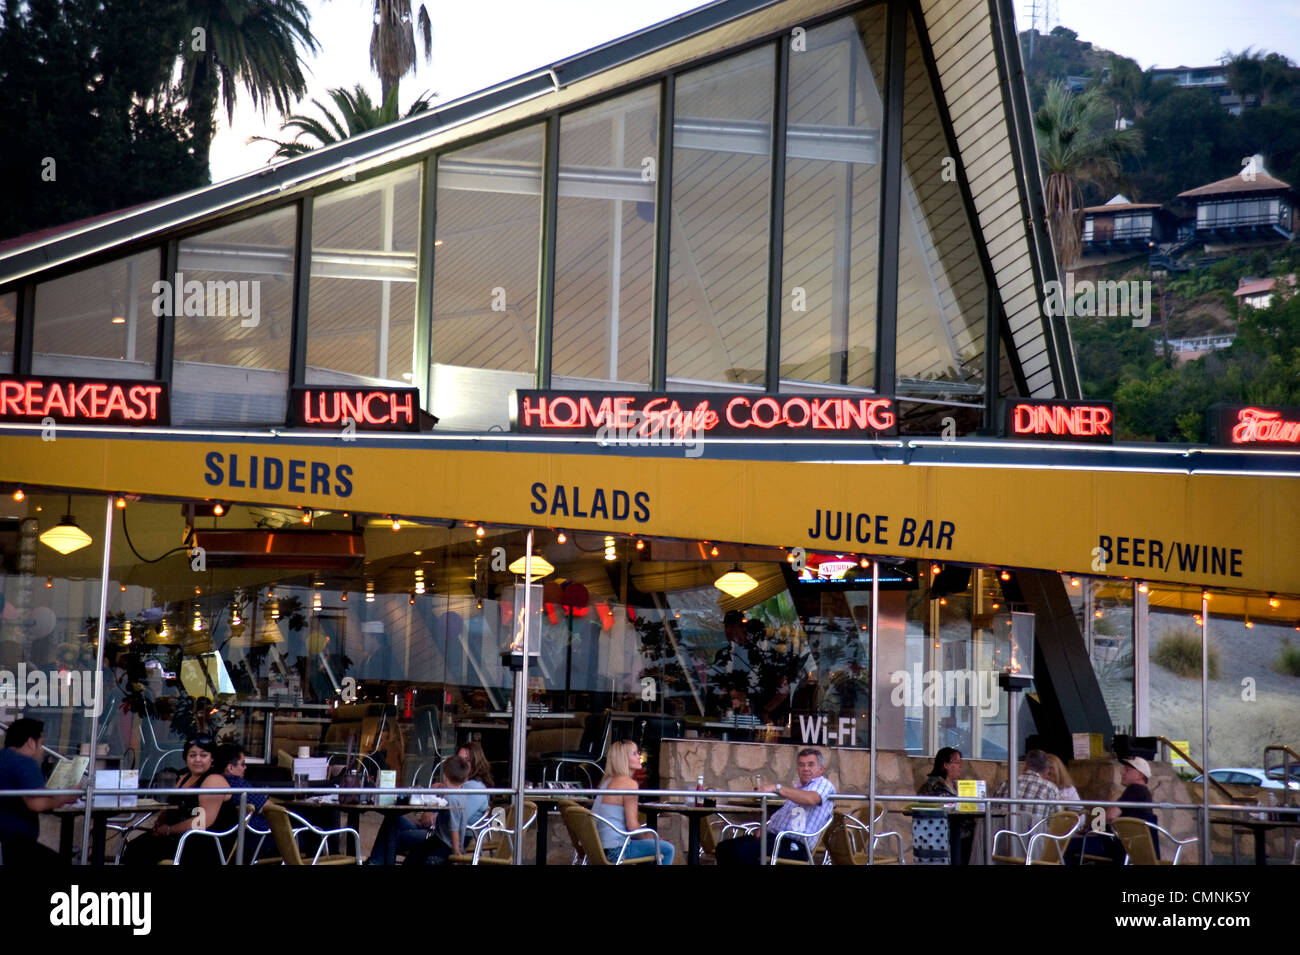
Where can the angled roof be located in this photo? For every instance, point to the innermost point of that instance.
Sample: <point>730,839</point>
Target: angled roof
<point>970,47</point>
<point>1260,182</point>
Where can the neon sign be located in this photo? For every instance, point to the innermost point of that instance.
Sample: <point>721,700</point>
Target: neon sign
<point>369,409</point>
<point>83,400</point>
<point>632,418</point>
<point>1078,421</point>
<point>1239,425</point>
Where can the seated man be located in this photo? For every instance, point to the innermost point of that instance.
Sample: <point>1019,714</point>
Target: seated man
<point>806,809</point>
<point>20,768</point>
<point>1135,774</point>
<point>450,833</point>
<point>1031,783</point>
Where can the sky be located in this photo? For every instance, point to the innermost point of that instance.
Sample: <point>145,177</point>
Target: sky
<point>476,45</point>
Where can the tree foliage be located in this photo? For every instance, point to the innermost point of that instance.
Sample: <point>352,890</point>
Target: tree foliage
<point>392,42</point>
<point>355,114</point>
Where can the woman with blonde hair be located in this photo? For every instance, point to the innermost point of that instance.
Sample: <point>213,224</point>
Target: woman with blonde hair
<point>620,812</point>
<point>1058,774</point>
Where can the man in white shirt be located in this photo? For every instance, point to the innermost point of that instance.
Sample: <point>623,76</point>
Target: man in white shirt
<point>806,809</point>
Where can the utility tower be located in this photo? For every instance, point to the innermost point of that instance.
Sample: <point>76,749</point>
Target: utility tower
<point>1042,16</point>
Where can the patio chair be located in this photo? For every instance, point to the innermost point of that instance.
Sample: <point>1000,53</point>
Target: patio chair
<point>285,828</point>
<point>849,836</point>
<point>585,827</point>
<point>224,855</point>
<point>426,740</point>
<point>590,753</point>
<point>494,840</point>
<point>1052,841</point>
<point>1139,839</point>
<point>811,842</point>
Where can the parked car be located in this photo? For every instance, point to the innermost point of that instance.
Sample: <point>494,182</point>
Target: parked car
<point>1249,777</point>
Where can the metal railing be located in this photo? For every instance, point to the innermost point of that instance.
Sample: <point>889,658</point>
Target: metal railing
<point>986,812</point>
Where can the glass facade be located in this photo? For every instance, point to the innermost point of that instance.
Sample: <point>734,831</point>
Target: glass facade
<point>604,253</point>
<point>233,323</point>
<point>361,299</point>
<point>722,158</point>
<point>832,201</point>
<point>100,322</point>
<point>8,328</point>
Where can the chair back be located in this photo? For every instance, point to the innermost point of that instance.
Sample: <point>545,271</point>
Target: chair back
<point>842,840</point>
<point>1059,825</point>
<point>1137,838</point>
<point>277,817</point>
<point>930,845</point>
<point>581,823</point>
<point>595,735</point>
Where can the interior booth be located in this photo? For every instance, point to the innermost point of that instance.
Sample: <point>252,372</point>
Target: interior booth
<point>737,325</point>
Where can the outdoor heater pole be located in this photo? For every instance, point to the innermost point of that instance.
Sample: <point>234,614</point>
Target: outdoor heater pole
<point>99,678</point>
<point>519,663</point>
<point>1205,729</point>
<point>871,742</point>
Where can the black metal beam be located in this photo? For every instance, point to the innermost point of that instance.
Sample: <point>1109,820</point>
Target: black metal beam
<point>166,350</point>
<point>776,216</point>
<point>546,255</point>
<point>663,235</point>
<point>25,328</point>
<point>891,178</point>
<point>301,283</point>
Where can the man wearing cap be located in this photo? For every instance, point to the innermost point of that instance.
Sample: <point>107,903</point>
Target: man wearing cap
<point>1134,777</point>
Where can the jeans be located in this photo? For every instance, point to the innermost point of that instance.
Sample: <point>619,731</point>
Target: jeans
<point>397,834</point>
<point>743,850</point>
<point>643,849</point>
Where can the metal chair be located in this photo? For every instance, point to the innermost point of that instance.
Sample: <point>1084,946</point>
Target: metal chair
<point>590,752</point>
<point>1023,838</point>
<point>224,856</point>
<point>1138,837</point>
<point>151,748</point>
<point>584,824</point>
<point>426,736</point>
<point>285,828</point>
<point>1052,841</point>
<point>494,839</point>
<point>811,841</point>
<point>852,843</point>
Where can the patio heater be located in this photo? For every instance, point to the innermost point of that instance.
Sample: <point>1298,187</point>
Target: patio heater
<point>518,656</point>
<point>1013,648</point>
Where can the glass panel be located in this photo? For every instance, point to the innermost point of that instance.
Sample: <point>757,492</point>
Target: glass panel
<point>361,310</point>
<point>717,324</point>
<point>1104,610</point>
<point>485,278</point>
<point>940,285</point>
<point>50,621</point>
<point>100,322</point>
<point>8,329</point>
<point>604,255</point>
<point>233,330</point>
<point>832,189</point>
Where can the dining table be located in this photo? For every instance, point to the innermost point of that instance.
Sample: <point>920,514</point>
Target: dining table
<point>100,814</point>
<point>694,813</point>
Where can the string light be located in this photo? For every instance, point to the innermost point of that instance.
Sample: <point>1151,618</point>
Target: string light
<point>1273,602</point>
<point>1005,575</point>
<point>1074,581</point>
<point>479,531</point>
<point>1144,588</point>
<point>306,516</point>
<point>560,538</point>
<point>714,551</point>
<point>397,525</point>
<point>19,495</point>
<point>120,503</point>
<point>640,544</point>
<point>49,582</point>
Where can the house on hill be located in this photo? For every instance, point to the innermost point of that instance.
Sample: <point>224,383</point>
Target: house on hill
<point>1122,228</point>
<point>1249,207</point>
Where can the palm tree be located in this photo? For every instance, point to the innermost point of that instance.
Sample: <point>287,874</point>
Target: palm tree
<point>392,42</point>
<point>1077,143</point>
<point>249,43</point>
<point>356,115</point>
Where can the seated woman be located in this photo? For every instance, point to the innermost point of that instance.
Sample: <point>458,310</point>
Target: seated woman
<point>942,780</point>
<point>480,770</point>
<point>1058,774</point>
<point>621,811</point>
<point>214,812</point>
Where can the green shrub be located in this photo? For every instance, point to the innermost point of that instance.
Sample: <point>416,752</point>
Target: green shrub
<point>1288,661</point>
<point>1179,652</point>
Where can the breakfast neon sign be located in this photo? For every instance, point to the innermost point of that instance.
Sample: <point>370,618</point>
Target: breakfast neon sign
<point>35,399</point>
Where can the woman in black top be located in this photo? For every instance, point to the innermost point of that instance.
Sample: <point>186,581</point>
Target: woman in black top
<point>215,812</point>
<point>942,780</point>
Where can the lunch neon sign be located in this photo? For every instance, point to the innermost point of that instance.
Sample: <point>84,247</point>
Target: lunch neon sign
<point>83,401</point>
<point>1089,421</point>
<point>371,409</point>
<point>702,414</point>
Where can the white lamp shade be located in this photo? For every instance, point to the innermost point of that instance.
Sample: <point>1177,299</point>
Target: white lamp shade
<point>541,567</point>
<point>65,536</point>
<point>735,583</point>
